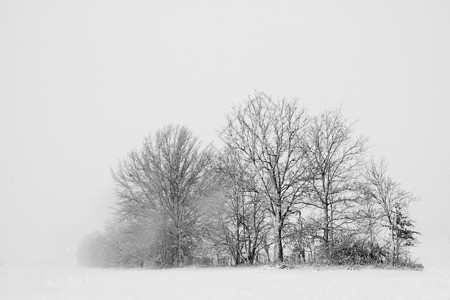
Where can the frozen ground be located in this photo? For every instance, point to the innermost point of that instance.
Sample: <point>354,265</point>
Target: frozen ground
<point>26,282</point>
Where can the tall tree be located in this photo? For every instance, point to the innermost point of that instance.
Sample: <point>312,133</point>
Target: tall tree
<point>269,137</point>
<point>334,160</point>
<point>169,175</point>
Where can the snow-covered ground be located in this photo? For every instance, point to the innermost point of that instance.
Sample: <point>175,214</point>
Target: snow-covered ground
<point>26,282</point>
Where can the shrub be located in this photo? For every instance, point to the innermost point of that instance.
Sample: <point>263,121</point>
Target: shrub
<point>354,251</point>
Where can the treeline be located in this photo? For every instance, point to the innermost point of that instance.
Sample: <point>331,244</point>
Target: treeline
<point>285,187</point>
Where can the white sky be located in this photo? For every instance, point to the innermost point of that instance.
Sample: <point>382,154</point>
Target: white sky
<point>82,83</point>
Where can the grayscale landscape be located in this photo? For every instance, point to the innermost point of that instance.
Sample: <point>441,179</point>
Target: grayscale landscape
<point>238,150</point>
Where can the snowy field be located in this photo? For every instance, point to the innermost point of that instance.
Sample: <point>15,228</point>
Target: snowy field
<point>51,282</point>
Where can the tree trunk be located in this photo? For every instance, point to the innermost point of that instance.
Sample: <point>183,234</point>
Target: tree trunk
<point>331,227</point>
<point>238,244</point>
<point>280,245</point>
<point>326,232</point>
<point>266,249</point>
<point>278,226</point>
<point>179,248</point>
<point>393,246</point>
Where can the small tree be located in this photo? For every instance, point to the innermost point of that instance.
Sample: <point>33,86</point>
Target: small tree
<point>92,251</point>
<point>244,216</point>
<point>404,235</point>
<point>392,202</point>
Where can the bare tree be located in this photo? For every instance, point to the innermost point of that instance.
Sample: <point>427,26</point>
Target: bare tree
<point>269,138</point>
<point>334,160</point>
<point>392,203</point>
<point>169,175</point>
<point>244,217</point>
<point>367,218</point>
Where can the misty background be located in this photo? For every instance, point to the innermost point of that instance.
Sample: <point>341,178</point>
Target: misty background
<point>83,82</point>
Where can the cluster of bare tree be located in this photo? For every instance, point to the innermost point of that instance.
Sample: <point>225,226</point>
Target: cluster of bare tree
<point>285,186</point>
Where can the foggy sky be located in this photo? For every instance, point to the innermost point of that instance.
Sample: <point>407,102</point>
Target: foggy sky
<point>83,82</point>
